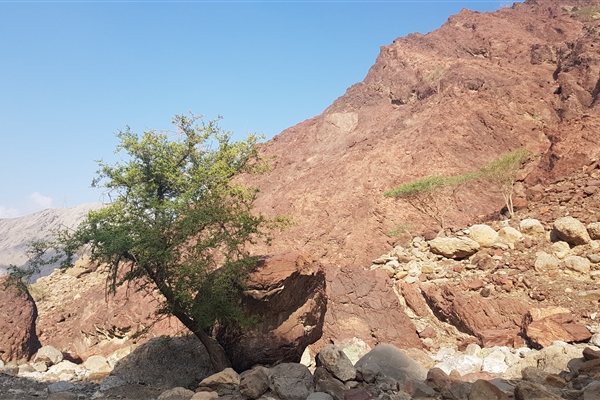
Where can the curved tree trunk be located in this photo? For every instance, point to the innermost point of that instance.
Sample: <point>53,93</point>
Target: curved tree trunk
<point>218,357</point>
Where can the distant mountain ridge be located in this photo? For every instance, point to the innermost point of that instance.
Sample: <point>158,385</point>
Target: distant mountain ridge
<point>17,233</point>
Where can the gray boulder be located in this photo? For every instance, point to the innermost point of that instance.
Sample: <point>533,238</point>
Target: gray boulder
<point>571,230</point>
<point>291,381</point>
<point>533,391</point>
<point>386,362</point>
<point>254,383</point>
<point>325,382</point>
<point>337,362</point>
<point>166,363</point>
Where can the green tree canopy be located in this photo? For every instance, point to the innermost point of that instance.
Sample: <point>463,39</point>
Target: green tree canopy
<point>178,222</point>
<point>502,173</point>
<point>432,195</point>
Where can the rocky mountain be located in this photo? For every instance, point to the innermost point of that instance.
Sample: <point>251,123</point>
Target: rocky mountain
<point>17,233</point>
<point>484,299</point>
<point>446,102</point>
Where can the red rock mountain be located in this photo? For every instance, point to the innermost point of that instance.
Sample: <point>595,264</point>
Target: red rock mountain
<point>447,102</point>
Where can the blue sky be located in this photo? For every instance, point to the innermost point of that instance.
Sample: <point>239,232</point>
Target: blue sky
<point>73,73</point>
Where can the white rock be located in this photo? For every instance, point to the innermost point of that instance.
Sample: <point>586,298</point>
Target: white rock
<point>594,230</point>
<point>532,227</point>
<point>483,234</point>
<point>97,364</point>
<point>443,354</point>
<point>473,349</point>
<point>495,363</point>
<point>578,264</point>
<point>595,340</point>
<point>64,367</point>
<point>561,249</point>
<point>49,355</point>
<point>464,364</point>
<point>119,354</point>
<point>509,235</point>
<point>545,261</point>
<point>459,247</point>
<point>571,230</point>
<point>205,396</point>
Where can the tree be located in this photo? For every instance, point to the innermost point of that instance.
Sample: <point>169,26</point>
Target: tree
<point>177,222</point>
<point>432,195</point>
<point>502,173</point>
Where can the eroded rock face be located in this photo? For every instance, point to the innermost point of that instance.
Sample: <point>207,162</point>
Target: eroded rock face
<point>18,314</point>
<point>546,325</point>
<point>288,293</point>
<point>475,315</point>
<point>363,305</point>
<point>78,318</point>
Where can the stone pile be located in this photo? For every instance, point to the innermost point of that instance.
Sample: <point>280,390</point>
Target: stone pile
<point>557,371</point>
<point>572,251</point>
<point>482,280</point>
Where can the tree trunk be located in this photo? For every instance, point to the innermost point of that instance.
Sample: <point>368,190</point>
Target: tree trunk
<point>217,355</point>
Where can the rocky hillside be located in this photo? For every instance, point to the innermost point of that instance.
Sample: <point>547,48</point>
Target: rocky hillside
<point>17,233</point>
<point>447,102</point>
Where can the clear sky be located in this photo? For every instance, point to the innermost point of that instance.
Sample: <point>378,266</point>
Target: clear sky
<point>73,73</point>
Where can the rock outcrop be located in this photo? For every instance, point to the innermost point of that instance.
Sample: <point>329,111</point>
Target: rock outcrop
<point>18,313</point>
<point>77,317</point>
<point>287,293</point>
<point>363,304</point>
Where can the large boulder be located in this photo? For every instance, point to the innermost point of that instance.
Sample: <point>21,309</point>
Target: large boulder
<point>336,362</point>
<point>166,363</point>
<point>546,325</point>
<point>255,382</point>
<point>287,291</point>
<point>454,247</point>
<point>48,355</point>
<point>571,230</point>
<point>486,318</point>
<point>18,313</point>
<point>291,381</point>
<point>386,363</point>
